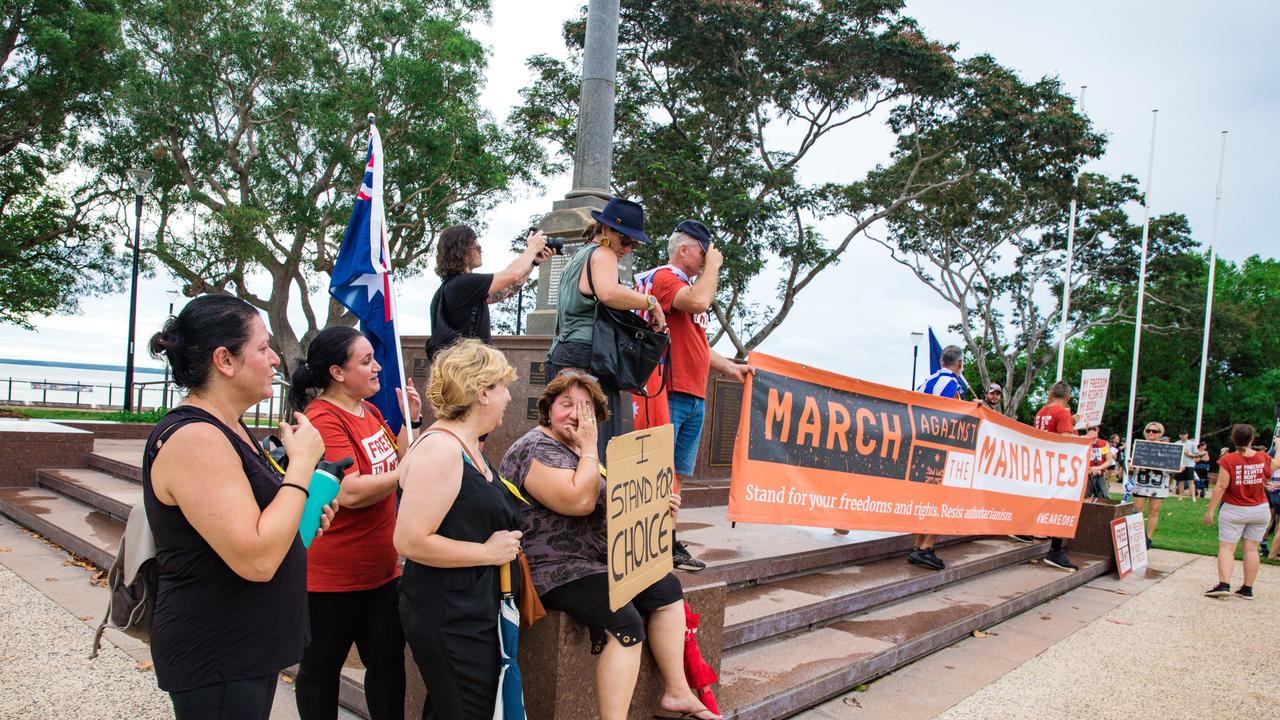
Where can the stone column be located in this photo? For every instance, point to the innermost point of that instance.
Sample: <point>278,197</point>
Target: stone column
<point>593,161</point>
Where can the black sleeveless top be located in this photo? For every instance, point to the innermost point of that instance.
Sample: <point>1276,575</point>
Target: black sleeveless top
<point>210,624</point>
<point>480,509</point>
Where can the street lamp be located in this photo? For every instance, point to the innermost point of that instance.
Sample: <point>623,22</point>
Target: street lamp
<point>916,337</point>
<point>164,393</point>
<point>140,178</point>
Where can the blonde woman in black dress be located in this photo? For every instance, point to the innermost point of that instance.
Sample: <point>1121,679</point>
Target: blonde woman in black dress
<point>456,525</point>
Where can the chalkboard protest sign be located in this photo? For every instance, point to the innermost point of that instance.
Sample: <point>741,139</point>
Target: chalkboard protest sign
<point>1156,455</point>
<point>638,525</point>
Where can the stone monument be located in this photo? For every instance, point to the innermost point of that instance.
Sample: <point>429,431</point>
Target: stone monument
<point>592,163</point>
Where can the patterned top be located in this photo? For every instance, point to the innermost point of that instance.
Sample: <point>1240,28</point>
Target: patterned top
<point>944,383</point>
<point>560,548</point>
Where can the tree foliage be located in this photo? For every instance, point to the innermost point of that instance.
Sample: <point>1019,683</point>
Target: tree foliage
<point>993,246</point>
<point>1242,381</point>
<point>718,104</point>
<point>59,61</point>
<point>254,118</point>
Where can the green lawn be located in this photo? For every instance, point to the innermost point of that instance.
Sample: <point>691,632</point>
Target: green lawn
<point>44,413</point>
<point>59,413</point>
<point>1182,528</point>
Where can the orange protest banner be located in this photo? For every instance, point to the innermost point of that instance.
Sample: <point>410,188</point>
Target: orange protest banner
<point>820,449</point>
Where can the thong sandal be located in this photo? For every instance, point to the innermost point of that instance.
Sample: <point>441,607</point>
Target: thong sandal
<point>687,715</point>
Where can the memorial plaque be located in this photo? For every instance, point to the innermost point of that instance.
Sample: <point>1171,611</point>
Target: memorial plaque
<point>538,372</point>
<point>421,368</point>
<point>1156,455</point>
<point>726,411</point>
<point>531,411</point>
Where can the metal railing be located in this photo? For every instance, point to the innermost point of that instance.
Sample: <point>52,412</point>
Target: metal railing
<point>148,396</point>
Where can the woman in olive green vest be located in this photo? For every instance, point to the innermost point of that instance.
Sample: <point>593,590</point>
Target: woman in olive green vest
<point>616,232</point>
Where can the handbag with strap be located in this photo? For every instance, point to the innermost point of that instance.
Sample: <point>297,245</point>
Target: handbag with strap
<point>624,351</point>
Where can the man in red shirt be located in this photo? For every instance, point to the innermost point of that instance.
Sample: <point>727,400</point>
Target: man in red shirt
<point>1055,417</point>
<point>686,303</point>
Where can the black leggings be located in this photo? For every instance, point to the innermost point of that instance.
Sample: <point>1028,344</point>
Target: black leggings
<point>232,700</point>
<point>370,619</point>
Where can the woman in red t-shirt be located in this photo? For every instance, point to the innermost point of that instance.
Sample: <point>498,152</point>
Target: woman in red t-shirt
<point>353,571</point>
<point>1243,482</point>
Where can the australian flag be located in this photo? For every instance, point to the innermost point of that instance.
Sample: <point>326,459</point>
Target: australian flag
<point>361,280</point>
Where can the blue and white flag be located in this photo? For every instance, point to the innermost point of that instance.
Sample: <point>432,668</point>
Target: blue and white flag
<point>361,281</point>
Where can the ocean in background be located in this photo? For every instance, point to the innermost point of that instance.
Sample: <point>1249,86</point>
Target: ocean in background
<point>19,380</point>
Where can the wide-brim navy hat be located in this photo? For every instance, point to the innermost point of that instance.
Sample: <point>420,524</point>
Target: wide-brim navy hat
<point>697,231</point>
<point>624,216</point>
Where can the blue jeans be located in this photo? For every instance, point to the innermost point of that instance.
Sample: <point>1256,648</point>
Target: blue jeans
<point>687,413</point>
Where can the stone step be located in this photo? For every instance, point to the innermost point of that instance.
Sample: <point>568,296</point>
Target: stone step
<point>746,561</point>
<point>113,465</point>
<point>83,529</point>
<point>760,611</point>
<point>782,676</point>
<point>704,493</point>
<point>111,494</point>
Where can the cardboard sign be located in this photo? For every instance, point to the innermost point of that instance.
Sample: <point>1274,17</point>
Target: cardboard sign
<point>820,449</point>
<point>1156,455</point>
<point>1129,534</point>
<point>1137,542</point>
<point>638,511</point>
<point>1093,397</point>
<point>1120,541</point>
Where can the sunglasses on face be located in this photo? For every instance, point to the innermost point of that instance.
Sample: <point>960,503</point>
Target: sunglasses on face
<point>1151,431</point>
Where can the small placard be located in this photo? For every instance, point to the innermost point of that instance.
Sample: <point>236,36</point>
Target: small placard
<point>531,411</point>
<point>538,372</point>
<point>638,511</point>
<point>421,368</point>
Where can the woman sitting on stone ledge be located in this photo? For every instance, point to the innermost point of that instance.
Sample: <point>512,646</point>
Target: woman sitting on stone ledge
<point>556,466</point>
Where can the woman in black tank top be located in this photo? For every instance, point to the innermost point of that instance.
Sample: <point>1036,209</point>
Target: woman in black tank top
<point>457,524</point>
<point>230,607</point>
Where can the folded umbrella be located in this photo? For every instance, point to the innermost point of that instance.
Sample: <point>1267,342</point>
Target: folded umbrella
<point>510,701</point>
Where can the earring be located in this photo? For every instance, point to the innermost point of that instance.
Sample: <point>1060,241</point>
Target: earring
<point>604,242</point>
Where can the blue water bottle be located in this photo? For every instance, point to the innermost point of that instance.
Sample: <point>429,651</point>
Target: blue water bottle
<point>325,484</point>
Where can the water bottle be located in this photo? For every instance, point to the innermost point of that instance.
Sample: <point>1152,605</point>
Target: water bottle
<point>325,484</point>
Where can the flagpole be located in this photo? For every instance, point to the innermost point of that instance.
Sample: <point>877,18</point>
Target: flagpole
<point>391,292</point>
<point>1066,280</point>
<point>1142,289</point>
<point>1213,266</point>
<point>404,394</point>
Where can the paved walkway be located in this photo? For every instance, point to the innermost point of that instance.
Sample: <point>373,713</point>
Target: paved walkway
<point>1142,647</point>
<point>1149,647</point>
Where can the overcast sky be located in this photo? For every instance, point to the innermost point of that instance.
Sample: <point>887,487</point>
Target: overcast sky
<point>1207,67</point>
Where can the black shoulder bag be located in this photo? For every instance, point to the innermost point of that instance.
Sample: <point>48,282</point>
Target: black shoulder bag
<point>624,351</point>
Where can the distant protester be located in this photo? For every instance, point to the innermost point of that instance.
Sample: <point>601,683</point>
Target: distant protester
<point>946,383</point>
<point>1242,493</point>
<point>353,571</point>
<point>1101,460</point>
<point>1151,487</point>
<point>231,606</point>
<point>556,467</point>
<point>1055,417</point>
